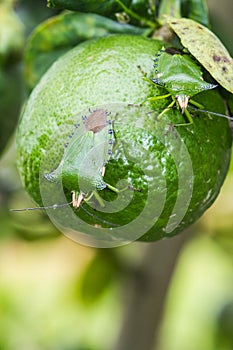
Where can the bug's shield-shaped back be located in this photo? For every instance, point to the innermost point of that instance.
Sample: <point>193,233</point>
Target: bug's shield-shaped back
<point>179,74</point>
<point>86,153</point>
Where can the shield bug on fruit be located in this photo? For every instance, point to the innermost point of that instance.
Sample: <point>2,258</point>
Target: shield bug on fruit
<point>181,76</point>
<point>80,173</point>
<point>86,156</point>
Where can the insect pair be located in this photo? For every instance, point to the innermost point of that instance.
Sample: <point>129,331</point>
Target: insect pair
<point>91,145</point>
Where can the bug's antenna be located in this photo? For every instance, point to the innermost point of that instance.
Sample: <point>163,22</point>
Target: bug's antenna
<point>55,206</point>
<point>97,217</point>
<point>213,113</point>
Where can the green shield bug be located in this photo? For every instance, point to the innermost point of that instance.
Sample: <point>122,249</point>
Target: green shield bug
<point>81,170</point>
<point>86,156</point>
<point>181,76</point>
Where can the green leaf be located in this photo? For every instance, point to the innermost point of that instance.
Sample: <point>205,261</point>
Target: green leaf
<point>193,9</point>
<point>59,34</point>
<point>107,8</point>
<point>229,101</point>
<point>206,48</point>
<point>196,10</point>
<point>169,8</point>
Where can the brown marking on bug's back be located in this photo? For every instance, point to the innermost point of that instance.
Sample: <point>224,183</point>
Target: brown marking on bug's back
<point>96,121</point>
<point>224,69</point>
<point>200,27</point>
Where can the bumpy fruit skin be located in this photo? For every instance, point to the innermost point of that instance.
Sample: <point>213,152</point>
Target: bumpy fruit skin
<point>104,71</point>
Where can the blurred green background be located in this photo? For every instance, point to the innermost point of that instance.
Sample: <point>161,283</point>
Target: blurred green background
<point>58,295</point>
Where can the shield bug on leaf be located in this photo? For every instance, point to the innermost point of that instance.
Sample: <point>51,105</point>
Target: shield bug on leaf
<point>181,76</point>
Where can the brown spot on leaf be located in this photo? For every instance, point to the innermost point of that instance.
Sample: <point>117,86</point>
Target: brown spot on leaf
<point>225,59</point>
<point>216,58</point>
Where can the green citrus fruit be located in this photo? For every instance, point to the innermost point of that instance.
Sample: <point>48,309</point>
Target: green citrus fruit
<point>173,173</point>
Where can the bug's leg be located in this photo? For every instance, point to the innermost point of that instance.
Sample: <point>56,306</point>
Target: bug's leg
<point>142,71</point>
<point>150,81</point>
<point>188,116</point>
<point>98,198</point>
<point>160,97</point>
<point>112,188</point>
<point>128,187</point>
<point>154,98</point>
<point>116,190</point>
<point>196,104</point>
<point>77,198</point>
<point>145,77</point>
<point>103,171</point>
<point>167,109</point>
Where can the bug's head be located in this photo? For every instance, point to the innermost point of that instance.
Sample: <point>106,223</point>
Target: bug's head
<point>183,101</point>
